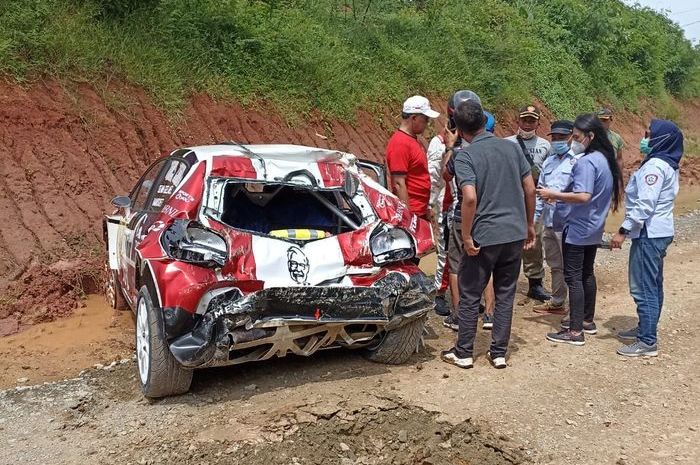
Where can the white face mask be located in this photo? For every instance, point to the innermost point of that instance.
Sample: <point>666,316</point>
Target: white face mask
<point>577,147</point>
<point>526,134</point>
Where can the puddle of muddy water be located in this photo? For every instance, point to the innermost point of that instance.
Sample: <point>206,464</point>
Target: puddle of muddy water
<point>49,351</point>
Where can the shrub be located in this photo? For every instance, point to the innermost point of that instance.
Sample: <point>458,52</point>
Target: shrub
<point>339,55</point>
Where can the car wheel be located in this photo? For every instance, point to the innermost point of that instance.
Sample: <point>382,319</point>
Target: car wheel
<point>160,375</point>
<point>113,290</point>
<point>397,346</point>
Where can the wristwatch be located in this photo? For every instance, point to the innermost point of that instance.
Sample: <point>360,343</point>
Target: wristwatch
<point>623,231</point>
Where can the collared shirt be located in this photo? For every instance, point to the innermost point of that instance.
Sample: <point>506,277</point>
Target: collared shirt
<point>555,175</point>
<point>496,168</point>
<point>585,222</point>
<point>649,198</point>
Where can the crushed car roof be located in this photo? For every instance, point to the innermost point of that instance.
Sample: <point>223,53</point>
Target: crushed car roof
<point>272,162</point>
<point>287,152</point>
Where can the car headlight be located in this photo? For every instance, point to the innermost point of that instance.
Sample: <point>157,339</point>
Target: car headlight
<point>191,242</point>
<point>391,245</point>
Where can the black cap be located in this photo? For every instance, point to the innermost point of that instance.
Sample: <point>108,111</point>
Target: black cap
<point>562,126</point>
<point>529,110</point>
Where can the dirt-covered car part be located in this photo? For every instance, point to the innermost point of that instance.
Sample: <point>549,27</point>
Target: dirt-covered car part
<point>302,320</point>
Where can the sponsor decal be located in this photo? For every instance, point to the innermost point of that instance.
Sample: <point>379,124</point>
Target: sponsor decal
<point>184,196</point>
<point>158,202</point>
<point>398,214</point>
<point>381,201</point>
<point>157,226</point>
<point>414,224</point>
<point>170,211</point>
<point>298,265</point>
<point>651,179</point>
<point>163,189</point>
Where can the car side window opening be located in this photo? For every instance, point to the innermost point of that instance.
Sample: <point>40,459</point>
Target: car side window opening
<point>263,208</point>
<point>167,184</point>
<point>139,196</point>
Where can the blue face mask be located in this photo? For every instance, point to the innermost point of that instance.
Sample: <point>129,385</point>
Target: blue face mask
<point>560,147</point>
<point>644,146</point>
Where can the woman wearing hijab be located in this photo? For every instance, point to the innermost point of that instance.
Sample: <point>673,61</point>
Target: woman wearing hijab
<point>596,183</point>
<point>649,198</point>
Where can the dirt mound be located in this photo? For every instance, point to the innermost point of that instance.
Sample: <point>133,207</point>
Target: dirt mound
<point>46,292</point>
<point>391,433</point>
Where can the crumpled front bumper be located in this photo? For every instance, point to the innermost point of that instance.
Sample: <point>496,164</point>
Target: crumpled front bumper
<point>233,320</point>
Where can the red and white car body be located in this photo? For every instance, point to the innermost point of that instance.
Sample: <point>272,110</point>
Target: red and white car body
<point>254,251</point>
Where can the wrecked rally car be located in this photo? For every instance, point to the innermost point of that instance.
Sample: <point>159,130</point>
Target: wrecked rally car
<point>230,254</point>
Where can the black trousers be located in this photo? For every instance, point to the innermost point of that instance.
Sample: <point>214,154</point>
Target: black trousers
<point>579,262</point>
<point>503,261</point>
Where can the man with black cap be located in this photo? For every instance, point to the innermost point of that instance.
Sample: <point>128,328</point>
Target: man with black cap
<point>606,116</point>
<point>536,150</point>
<point>556,175</point>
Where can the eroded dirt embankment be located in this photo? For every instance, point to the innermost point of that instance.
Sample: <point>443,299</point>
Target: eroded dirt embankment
<point>69,148</point>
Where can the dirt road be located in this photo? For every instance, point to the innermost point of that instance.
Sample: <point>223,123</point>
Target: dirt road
<point>554,404</point>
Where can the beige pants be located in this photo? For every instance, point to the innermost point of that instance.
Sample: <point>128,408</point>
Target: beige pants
<point>555,260</point>
<point>533,261</point>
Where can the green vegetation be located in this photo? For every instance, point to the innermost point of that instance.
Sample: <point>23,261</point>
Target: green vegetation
<point>337,56</point>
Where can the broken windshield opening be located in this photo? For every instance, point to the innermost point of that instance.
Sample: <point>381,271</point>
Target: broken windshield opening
<point>283,210</point>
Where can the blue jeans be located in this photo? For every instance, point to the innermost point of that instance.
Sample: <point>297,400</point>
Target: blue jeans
<point>646,277</point>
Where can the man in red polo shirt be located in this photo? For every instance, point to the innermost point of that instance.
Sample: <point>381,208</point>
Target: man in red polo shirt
<point>407,160</point>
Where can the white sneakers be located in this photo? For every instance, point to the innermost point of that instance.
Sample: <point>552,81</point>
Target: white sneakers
<point>498,362</point>
<point>450,357</point>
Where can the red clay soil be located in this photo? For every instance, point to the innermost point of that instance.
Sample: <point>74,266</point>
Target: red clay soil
<point>69,148</point>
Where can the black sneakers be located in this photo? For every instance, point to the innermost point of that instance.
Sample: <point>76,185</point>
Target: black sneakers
<point>451,322</point>
<point>567,337</point>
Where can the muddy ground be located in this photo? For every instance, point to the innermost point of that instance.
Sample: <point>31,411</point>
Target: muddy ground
<point>553,404</point>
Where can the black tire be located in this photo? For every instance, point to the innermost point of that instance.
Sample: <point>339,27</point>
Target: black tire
<point>163,376</point>
<point>398,345</point>
<point>113,290</point>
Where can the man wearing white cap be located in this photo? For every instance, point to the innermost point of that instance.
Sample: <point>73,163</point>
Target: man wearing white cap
<point>406,158</point>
